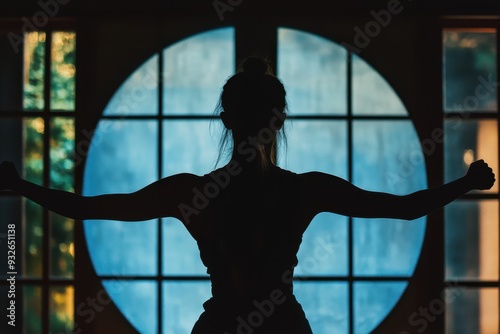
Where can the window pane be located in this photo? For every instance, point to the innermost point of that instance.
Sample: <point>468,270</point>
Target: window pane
<point>324,247</point>
<point>182,305</point>
<point>123,248</point>
<point>138,301</point>
<point>467,141</point>
<point>373,302</point>
<point>32,309</point>
<point>313,70</point>
<point>61,307</point>
<point>326,306</point>
<point>316,146</point>
<point>195,70</point>
<point>371,93</point>
<point>34,129</point>
<point>472,311</point>
<point>123,158</point>
<point>62,248</point>
<point>387,157</point>
<point>180,251</point>
<point>470,68</point>
<point>471,240</point>
<point>34,70</point>
<point>33,239</point>
<point>387,247</point>
<point>138,95</point>
<point>62,147</point>
<point>62,83</point>
<point>189,147</point>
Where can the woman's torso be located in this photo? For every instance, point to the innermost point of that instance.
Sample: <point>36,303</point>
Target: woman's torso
<point>248,234</point>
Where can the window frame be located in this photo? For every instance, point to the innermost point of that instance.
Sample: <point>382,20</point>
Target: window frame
<point>474,22</point>
<point>46,282</point>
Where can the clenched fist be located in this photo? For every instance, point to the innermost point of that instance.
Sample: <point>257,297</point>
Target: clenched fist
<point>8,175</point>
<point>480,176</point>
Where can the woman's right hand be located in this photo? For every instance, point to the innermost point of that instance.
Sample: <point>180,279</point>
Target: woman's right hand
<point>9,176</point>
<point>480,176</point>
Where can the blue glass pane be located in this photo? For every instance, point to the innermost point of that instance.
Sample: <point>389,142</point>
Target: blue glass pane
<point>470,70</point>
<point>386,247</point>
<point>195,70</point>
<point>324,247</point>
<point>326,306</point>
<point>373,302</point>
<point>371,94</point>
<point>471,240</point>
<point>387,157</point>
<point>182,305</point>
<point>189,147</point>
<point>138,95</point>
<point>180,251</point>
<point>316,146</point>
<point>122,159</point>
<point>469,310</point>
<point>313,70</point>
<point>137,301</point>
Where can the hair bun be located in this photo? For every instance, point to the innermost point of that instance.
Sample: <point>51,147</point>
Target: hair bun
<point>255,65</point>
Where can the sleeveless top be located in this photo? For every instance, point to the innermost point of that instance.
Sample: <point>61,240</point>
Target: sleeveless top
<point>250,233</point>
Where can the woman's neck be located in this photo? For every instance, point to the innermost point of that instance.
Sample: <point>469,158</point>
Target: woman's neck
<point>253,152</point>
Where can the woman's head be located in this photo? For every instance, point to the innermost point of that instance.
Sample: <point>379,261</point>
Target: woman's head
<point>253,104</point>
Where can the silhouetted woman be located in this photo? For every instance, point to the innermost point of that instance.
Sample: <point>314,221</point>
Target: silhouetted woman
<point>249,216</point>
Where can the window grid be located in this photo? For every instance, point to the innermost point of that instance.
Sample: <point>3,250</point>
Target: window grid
<point>478,115</point>
<point>47,282</point>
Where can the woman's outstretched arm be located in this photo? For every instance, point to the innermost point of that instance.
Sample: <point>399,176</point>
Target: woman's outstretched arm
<point>160,199</point>
<point>328,193</point>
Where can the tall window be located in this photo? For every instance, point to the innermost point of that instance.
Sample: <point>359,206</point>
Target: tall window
<point>470,105</point>
<point>345,119</point>
<point>37,123</point>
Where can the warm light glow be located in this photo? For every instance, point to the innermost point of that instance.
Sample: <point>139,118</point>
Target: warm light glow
<point>62,304</point>
<point>487,146</point>
<point>71,249</point>
<point>63,247</point>
<point>38,125</point>
<point>488,311</point>
<point>468,157</point>
<point>488,240</point>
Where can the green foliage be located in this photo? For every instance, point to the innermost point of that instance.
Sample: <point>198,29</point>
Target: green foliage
<point>62,94</point>
<point>34,67</point>
<point>62,144</point>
